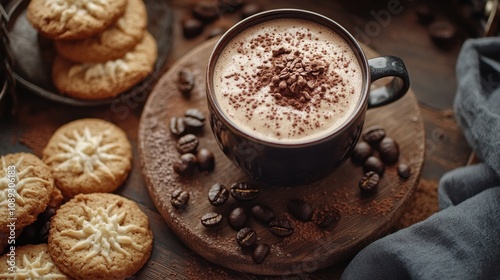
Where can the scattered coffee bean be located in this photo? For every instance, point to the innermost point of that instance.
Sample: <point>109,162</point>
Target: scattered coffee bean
<point>185,165</point>
<point>206,160</point>
<point>373,135</point>
<point>218,194</point>
<point>442,33</point>
<point>369,181</point>
<point>250,10</point>
<point>244,191</point>
<point>327,218</point>
<point>193,124</point>
<point>404,170</point>
<point>374,164</point>
<point>260,253</point>
<point>238,218</point>
<point>246,237</point>
<point>361,152</point>
<point>179,199</point>
<point>195,113</point>
<point>424,14</point>
<point>281,227</point>
<point>187,144</point>
<point>211,219</point>
<point>300,209</point>
<point>263,213</point>
<point>177,127</point>
<point>191,28</point>
<point>205,11</point>
<point>185,81</point>
<point>389,150</point>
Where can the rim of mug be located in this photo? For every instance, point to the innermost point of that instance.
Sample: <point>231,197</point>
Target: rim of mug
<point>296,14</point>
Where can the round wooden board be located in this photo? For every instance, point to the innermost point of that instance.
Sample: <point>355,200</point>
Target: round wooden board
<point>364,218</point>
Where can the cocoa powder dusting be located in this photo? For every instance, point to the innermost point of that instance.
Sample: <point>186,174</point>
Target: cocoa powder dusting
<point>300,76</point>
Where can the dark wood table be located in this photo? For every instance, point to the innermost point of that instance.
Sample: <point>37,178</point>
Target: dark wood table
<point>432,72</point>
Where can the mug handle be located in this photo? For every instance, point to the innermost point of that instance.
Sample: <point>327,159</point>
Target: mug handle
<point>387,66</point>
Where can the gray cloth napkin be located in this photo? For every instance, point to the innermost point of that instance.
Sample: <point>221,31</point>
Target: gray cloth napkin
<point>462,240</point>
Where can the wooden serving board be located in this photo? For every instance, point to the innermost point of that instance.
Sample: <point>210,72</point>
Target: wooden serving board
<point>363,218</point>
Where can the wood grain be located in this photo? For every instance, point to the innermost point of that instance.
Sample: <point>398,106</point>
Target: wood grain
<point>364,219</point>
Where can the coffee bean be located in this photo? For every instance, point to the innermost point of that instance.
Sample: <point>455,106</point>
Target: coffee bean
<point>185,164</point>
<point>238,218</point>
<point>206,160</point>
<point>263,213</point>
<point>218,194</point>
<point>191,28</point>
<point>185,81</point>
<point>205,11</point>
<point>187,144</point>
<point>300,209</point>
<point>327,218</point>
<point>179,199</point>
<point>373,135</point>
<point>177,127</point>
<point>193,124</point>
<point>389,151</point>
<point>195,113</point>
<point>404,170</point>
<point>374,164</point>
<point>260,253</point>
<point>244,191</point>
<point>369,181</point>
<point>361,152</point>
<point>246,237</point>
<point>281,227</point>
<point>442,33</point>
<point>211,219</point>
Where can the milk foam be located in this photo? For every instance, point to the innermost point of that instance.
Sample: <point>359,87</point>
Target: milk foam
<point>255,109</point>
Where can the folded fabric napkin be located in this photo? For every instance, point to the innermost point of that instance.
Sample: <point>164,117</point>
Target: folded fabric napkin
<point>462,240</point>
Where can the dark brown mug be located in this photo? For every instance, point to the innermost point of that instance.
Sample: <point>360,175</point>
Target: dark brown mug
<point>288,164</point>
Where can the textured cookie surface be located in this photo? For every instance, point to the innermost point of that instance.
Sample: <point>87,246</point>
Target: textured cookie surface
<point>31,262</point>
<point>113,42</point>
<point>26,186</point>
<point>88,155</point>
<point>100,236</point>
<point>105,79</point>
<point>74,19</point>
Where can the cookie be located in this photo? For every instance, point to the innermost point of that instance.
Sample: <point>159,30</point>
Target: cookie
<point>68,19</point>
<point>100,236</point>
<point>92,81</point>
<point>26,185</point>
<point>88,155</point>
<point>31,262</point>
<point>113,42</point>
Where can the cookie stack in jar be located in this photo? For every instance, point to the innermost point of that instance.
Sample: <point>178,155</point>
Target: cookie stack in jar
<point>103,46</point>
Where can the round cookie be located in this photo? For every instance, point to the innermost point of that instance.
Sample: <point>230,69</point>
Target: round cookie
<point>31,262</point>
<point>106,79</point>
<point>26,185</point>
<point>113,42</point>
<point>100,236</point>
<point>87,156</point>
<point>74,19</point>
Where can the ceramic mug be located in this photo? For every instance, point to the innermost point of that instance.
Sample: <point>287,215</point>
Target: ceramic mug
<point>288,163</point>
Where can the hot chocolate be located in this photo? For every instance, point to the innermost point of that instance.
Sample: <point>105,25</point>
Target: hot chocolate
<point>288,81</point>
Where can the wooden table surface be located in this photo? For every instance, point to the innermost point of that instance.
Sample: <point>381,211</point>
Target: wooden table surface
<point>432,72</point>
